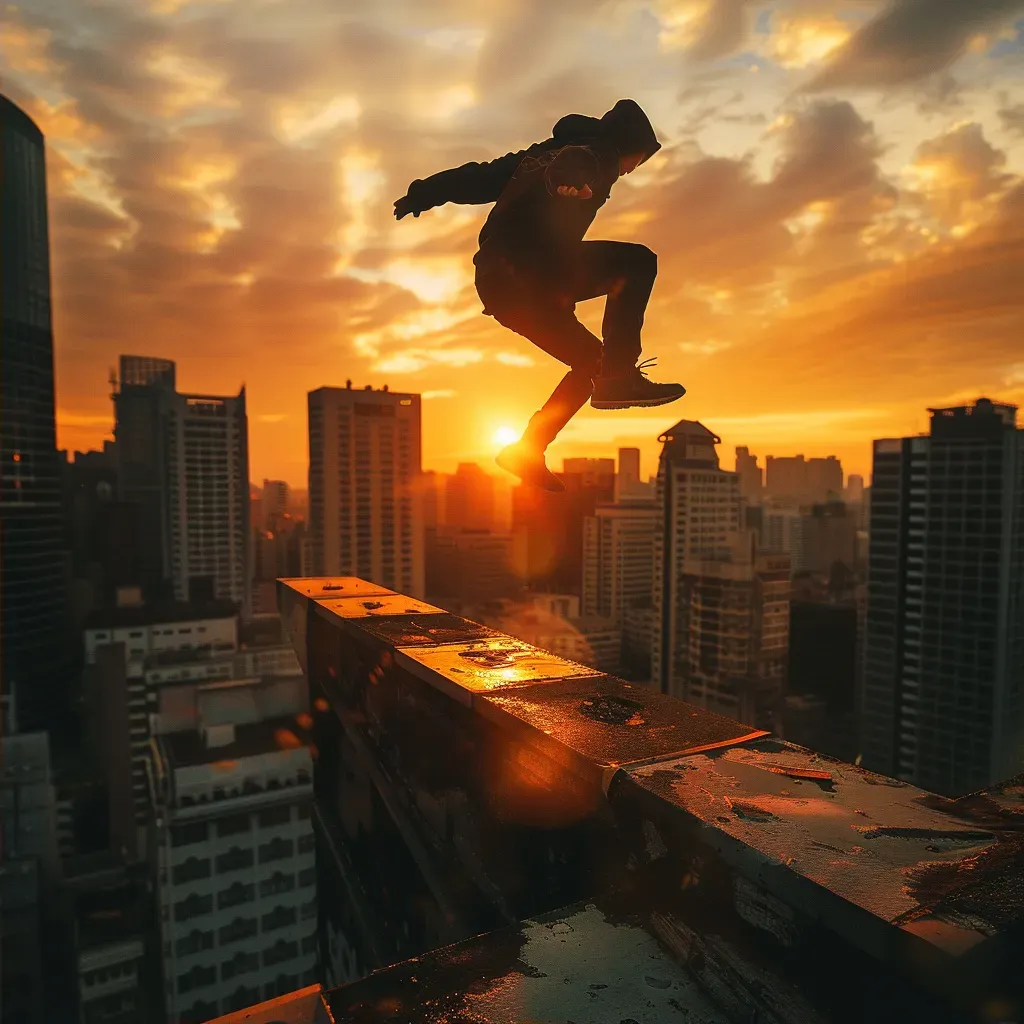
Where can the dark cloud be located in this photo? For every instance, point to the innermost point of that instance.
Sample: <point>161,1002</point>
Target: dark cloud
<point>910,40</point>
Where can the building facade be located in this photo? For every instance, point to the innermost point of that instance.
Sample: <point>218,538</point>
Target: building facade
<point>234,855</point>
<point>29,870</point>
<point>364,465</point>
<point>618,558</point>
<point>733,629</point>
<point>751,477</point>
<point>698,517</point>
<point>35,626</point>
<point>942,689</point>
<point>183,460</point>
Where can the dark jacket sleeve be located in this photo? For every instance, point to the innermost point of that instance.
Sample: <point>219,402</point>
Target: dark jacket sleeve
<point>469,184</point>
<point>573,165</point>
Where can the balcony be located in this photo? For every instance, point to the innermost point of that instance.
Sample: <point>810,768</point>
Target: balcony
<point>504,836</point>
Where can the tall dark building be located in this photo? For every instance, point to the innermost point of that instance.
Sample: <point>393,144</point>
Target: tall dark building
<point>942,700</point>
<point>142,402</point>
<point>34,625</point>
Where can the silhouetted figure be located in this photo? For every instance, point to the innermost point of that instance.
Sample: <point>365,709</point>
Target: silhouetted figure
<point>533,266</point>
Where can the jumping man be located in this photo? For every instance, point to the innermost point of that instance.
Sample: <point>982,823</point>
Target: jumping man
<point>533,266</point>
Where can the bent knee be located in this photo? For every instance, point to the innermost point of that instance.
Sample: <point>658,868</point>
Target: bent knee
<point>644,259</point>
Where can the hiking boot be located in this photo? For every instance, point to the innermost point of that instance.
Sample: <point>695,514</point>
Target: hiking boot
<point>633,390</point>
<point>528,464</point>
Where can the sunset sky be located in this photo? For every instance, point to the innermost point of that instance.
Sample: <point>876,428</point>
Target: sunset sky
<point>838,208</point>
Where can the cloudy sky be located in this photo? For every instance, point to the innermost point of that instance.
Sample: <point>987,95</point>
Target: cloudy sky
<point>838,208</point>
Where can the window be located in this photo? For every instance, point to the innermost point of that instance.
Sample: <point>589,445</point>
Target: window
<point>233,826</point>
<point>280,952</point>
<point>242,998</point>
<point>235,894</point>
<point>307,843</point>
<point>192,870</point>
<point>195,942</point>
<point>185,835</point>
<point>276,849</point>
<point>234,860</point>
<point>277,883</point>
<point>307,876</point>
<point>240,963</point>
<point>279,917</point>
<point>239,929</point>
<point>193,905</point>
<point>275,816</point>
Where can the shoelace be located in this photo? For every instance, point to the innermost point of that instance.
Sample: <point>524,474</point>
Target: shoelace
<point>647,362</point>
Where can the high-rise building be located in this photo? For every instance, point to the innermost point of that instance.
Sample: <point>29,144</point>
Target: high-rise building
<point>782,530</point>
<point>112,927</point>
<point>629,466</point>
<point>35,626</point>
<point>749,472</point>
<point>234,848</point>
<point>733,629</point>
<point>587,482</point>
<point>699,516</point>
<point>129,653</point>
<point>365,512</point>
<point>798,481</point>
<point>618,558</point>
<point>829,536</point>
<point>942,689</point>
<point>824,480</point>
<point>274,504</point>
<point>433,488</point>
<point>854,493</point>
<point>28,873</point>
<point>183,460</point>
<point>469,565</point>
<point>208,458</point>
<point>785,479</point>
<point>628,484</point>
<point>469,498</point>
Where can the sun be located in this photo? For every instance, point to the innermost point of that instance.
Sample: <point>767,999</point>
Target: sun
<point>505,435</point>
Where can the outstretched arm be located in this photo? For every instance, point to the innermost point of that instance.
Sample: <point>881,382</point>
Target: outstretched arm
<point>471,183</point>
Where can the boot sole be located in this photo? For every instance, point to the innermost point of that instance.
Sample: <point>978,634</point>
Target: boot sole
<point>635,403</point>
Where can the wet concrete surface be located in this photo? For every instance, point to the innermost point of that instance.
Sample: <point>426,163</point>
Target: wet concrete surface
<point>604,723</point>
<point>427,630</point>
<point>374,606</point>
<point>575,966</point>
<point>466,670</point>
<point>315,588</point>
<point>870,841</point>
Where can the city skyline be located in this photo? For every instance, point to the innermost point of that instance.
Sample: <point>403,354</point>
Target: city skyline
<point>837,210</point>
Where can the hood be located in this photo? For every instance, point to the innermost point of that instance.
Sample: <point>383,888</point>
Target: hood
<point>576,129</point>
<point>626,126</point>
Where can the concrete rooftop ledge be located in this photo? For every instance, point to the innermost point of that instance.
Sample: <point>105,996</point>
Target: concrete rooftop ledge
<point>768,875</point>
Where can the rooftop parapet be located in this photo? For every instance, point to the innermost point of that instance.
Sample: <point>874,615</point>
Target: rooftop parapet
<point>748,878</point>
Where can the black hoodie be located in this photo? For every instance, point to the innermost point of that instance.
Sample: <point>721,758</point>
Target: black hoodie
<point>531,225</point>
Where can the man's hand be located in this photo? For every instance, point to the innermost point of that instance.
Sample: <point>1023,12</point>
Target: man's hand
<point>575,193</point>
<point>403,207</point>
